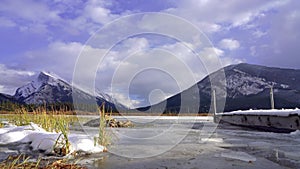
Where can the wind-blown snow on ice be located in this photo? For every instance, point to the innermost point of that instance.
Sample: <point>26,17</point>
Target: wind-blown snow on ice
<point>39,139</point>
<point>296,133</point>
<point>239,156</point>
<point>272,112</point>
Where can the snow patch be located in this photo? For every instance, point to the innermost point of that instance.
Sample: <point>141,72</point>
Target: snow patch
<point>245,84</point>
<point>295,133</point>
<point>272,112</point>
<point>284,86</point>
<point>53,75</point>
<point>39,139</point>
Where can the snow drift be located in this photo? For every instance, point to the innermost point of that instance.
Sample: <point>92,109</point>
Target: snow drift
<point>43,141</point>
<point>285,120</point>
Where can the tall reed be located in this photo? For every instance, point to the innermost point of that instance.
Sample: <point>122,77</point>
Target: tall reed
<point>51,121</point>
<point>103,138</point>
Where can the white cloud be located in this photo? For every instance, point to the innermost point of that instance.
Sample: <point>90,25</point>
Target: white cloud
<point>98,14</point>
<point>34,11</point>
<point>134,56</point>
<point>281,49</point>
<point>259,34</point>
<point>13,78</point>
<point>225,19</point>
<point>131,56</point>
<point>234,13</point>
<point>4,22</point>
<point>72,17</point>
<point>229,44</point>
<point>128,102</point>
<point>209,27</point>
<point>57,57</point>
<point>93,16</point>
<point>168,60</point>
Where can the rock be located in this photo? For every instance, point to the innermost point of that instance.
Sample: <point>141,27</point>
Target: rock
<point>128,124</point>
<point>113,125</point>
<point>110,122</point>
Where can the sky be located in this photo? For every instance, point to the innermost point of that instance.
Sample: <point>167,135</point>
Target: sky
<point>140,69</point>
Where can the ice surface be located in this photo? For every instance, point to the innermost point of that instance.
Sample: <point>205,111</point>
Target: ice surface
<point>216,140</point>
<point>238,156</point>
<point>227,147</point>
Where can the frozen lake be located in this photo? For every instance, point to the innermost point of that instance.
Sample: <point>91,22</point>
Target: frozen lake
<point>195,142</point>
<point>188,142</point>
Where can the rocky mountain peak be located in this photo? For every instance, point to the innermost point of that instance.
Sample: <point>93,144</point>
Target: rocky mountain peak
<point>50,88</point>
<point>42,80</point>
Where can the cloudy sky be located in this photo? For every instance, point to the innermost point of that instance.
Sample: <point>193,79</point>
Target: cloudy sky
<point>53,35</point>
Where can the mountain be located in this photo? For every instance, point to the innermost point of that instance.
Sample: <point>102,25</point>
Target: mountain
<point>247,87</point>
<point>6,98</point>
<point>6,102</point>
<point>49,88</point>
<point>45,89</point>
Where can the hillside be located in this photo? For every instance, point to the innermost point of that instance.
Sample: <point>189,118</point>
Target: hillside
<point>247,87</point>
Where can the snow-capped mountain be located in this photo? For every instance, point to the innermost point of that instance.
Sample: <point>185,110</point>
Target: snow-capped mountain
<point>247,87</point>
<point>50,88</point>
<point>47,88</point>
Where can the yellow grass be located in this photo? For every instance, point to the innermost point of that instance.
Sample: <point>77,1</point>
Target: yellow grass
<point>51,121</point>
<point>24,162</point>
<point>103,138</point>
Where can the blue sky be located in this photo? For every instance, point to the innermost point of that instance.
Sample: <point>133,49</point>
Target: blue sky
<point>49,35</point>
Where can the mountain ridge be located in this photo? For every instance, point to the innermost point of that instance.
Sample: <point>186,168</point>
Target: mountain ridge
<point>51,89</point>
<point>247,87</point>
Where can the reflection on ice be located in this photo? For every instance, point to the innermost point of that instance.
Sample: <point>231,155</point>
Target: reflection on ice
<point>238,155</point>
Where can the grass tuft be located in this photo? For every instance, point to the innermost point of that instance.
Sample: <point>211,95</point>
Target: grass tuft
<point>103,138</point>
<point>51,121</point>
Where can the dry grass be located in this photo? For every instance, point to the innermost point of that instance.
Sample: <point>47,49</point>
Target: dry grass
<point>23,162</point>
<point>52,121</point>
<point>103,138</point>
<point>18,162</point>
<point>49,120</point>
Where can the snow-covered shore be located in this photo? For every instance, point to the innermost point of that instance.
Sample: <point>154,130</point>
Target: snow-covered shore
<point>43,141</point>
<point>227,146</point>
